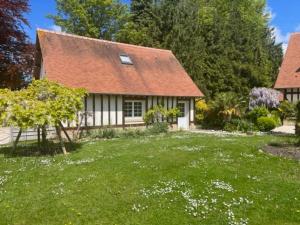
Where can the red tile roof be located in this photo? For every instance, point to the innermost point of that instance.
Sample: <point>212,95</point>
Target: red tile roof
<point>94,64</point>
<point>289,74</point>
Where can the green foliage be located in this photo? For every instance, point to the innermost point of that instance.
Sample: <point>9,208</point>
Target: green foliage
<point>109,133</point>
<point>286,110</point>
<point>275,114</point>
<point>224,45</point>
<point>225,107</point>
<point>106,133</point>
<point>201,109</point>
<point>298,119</point>
<point>240,125</point>
<point>43,103</point>
<point>91,18</point>
<point>257,112</point>
<point>159,113</point>
<point>159,127</point>
<point>266,123</point>
<point>133,133</point>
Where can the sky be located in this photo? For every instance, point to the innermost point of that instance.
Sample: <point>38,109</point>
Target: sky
<point>285,17</point>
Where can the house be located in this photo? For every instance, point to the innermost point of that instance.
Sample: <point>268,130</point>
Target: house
<point>288,80</point>
<point>123,80</point>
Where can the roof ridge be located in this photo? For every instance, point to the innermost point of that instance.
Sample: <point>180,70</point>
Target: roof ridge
<point>295,33</point>
<point>99,40</point>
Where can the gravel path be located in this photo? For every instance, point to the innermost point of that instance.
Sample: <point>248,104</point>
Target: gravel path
<point>284,130</point>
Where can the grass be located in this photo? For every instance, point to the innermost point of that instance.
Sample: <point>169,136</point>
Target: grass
<point>176,178</point>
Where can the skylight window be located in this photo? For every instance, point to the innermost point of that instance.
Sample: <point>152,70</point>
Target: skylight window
<point>125,59</point>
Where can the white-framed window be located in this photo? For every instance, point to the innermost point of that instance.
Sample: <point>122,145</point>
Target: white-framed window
<point>181,107</point>
<point>125,59</point>
<point>133,109</point>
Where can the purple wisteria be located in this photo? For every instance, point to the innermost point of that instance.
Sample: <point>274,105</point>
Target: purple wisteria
<point>264,97</point>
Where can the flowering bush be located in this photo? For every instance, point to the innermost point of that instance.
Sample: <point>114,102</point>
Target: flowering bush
<point>266,97</point>
<point>201,109</point>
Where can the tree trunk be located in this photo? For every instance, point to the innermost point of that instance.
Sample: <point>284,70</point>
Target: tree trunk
<point>65,132</point>
<point>58,132</point>
<point>77,134</point>
<point>39,137</point>
<point>17,140</point>
<point>44,139</point>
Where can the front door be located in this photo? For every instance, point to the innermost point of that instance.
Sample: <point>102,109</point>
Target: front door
<point>183,118</point>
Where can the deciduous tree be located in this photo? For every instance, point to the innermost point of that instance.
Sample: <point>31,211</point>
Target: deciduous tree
<point>16,52</point>
<point>42,104</point>
<point>91,18</point>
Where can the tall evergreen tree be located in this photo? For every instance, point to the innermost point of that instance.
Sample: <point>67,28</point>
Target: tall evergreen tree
<point>225,45</point>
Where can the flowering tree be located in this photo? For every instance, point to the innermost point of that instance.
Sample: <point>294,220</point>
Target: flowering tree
<point>266,97</point>
<point>42,104</point>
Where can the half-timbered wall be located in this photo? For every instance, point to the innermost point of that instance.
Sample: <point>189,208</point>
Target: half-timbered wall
<point>292,94</point>
<point>107,110</point>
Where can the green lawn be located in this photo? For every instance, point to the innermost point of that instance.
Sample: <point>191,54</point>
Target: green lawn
<point>176,178</point>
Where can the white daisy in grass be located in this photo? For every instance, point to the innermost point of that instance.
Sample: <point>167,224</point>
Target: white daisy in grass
<point>222,185</point>
<point>3,179</point>
<point>191,148</point>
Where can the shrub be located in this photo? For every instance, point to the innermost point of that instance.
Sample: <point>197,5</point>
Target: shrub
<point>224,108</point>
<point>266,97</point>
<point>298,119</point>
<point>266,123</point>
<point>109,133</point>
<point>133,133</point>
<point>201,109</point>
<point>286,109</point>
<point>159,127</point>
<point>276,116</point>
<point>240,125</point>
<point>257,112</point>
<point>158,113</point>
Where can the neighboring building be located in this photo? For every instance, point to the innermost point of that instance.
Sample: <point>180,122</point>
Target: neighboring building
<point>288,80</point>
<point>123,80</point>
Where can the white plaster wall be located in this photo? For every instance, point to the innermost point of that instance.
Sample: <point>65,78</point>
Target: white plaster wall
<point>90,110</point>
<point>120,110</point>
<point>42,72</point>
<point>97,110</point>
<point>112,110</point>
<point>167,104</point>
<point>105,110</point>
<point>149,102</point>
<point>192,102</point>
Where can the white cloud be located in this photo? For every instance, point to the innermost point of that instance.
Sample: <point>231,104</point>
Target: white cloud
<point>281,37</point>
<point>270,13</point>
<point>55,28</point>
<point>284,38</point>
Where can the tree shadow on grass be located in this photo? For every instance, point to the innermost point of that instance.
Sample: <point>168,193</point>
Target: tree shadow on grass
<point>33,150</point>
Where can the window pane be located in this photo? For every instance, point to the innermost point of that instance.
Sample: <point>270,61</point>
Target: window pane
<point>137,109</point>
<point>181,107</point>
<point>128,109</point>
<point>125,59</point>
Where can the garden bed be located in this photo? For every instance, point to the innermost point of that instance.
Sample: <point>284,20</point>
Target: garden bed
<point>287,151</point>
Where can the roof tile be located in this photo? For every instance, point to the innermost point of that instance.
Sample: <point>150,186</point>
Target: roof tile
<point>94,64</point>
<point>289,74</point>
